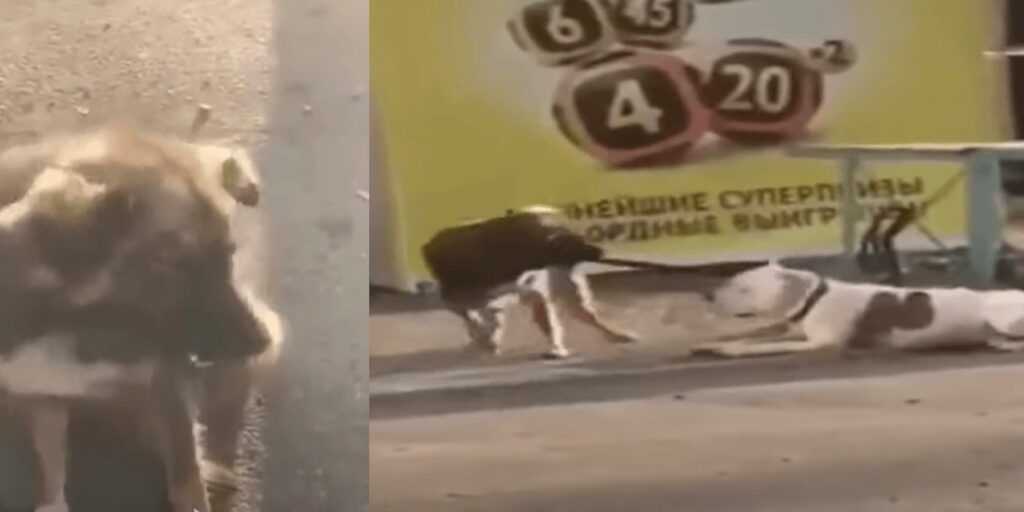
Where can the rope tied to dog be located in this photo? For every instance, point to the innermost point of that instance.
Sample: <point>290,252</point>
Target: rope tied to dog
<point>716,269</point>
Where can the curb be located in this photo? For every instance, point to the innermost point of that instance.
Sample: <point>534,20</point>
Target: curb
<point>574,381</point>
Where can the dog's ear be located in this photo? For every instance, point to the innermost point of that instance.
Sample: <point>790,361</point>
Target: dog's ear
<point>238,184</point>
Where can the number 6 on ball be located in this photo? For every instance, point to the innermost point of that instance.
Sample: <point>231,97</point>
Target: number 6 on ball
<point>631,106</point>
<point>560,32</point>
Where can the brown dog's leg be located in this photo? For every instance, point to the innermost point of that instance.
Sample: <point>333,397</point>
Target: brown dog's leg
<point>227,390</point>
<point>573,293</point>
<point>173,424</point>
<point>48,427</point>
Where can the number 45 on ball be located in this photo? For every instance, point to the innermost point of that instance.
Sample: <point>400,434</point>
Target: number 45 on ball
<point>652,23</point>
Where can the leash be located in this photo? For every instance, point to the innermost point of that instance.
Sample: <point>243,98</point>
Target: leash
<point>939,194</point>
<point>708,268</point>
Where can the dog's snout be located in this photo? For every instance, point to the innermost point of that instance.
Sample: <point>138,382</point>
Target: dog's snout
<point>708,295</point>
<point>229,323</point>
<point>249,195</point>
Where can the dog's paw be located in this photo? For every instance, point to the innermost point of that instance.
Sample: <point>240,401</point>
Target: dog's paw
<point>624,337</point>
<point>218,478</point>
<point>556,354</point>
<point>57,506</point>
<point>1004,345</point>
<point>477,348</point>
<point>722,350</point>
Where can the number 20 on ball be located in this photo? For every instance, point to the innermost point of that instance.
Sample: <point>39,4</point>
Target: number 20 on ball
<point>631,106</point>
<point>561,32</point>
<point>762,92</point>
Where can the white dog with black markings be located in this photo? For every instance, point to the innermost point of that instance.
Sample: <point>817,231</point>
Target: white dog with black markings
<point>842,315</point>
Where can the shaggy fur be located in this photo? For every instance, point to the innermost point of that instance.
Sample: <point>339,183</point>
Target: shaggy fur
<point>127,244</point>
<point>527,256</point>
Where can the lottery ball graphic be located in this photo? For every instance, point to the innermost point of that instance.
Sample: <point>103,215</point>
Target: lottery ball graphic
<point>632,105</point>
<point>659,24</point>
<point>762,92</point>
<point>562,32</point>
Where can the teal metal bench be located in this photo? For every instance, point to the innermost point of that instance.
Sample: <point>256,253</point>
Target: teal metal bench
<point>982,164</point>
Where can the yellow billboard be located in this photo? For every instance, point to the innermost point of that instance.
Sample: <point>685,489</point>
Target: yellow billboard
<point>661,125</point>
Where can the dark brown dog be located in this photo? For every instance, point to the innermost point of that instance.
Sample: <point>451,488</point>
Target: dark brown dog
<point>527,255</point>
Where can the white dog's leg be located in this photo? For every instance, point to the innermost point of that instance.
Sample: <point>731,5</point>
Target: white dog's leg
<point>486,326</point>
<point>572,292</point>
<point>750,348</point>
<point>1005,345</point>
<point>546,317</point>
<point>48,425</point>
<point>479,338</point>
<point>494,325</point>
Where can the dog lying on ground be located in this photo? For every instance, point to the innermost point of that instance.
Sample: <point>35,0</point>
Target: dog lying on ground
<point>840,315</point>
<point>526,256</point>
<point>120,274</point>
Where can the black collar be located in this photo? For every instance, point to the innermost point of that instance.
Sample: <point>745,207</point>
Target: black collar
<point>812,299</point>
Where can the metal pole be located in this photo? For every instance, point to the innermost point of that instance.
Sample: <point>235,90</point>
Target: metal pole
<point>984,222</point>
<point>850,210</point>
<point>316,430</point>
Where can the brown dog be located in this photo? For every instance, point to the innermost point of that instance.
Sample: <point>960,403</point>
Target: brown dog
<point>128,253</point>
<point>527,256</point>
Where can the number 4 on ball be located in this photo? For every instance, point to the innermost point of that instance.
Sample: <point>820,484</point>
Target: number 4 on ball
<point>631,106</point>
<point>560,32</point>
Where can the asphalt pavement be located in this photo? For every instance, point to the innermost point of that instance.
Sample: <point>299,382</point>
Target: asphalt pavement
<point>907,436</point>
<point>650,427</point>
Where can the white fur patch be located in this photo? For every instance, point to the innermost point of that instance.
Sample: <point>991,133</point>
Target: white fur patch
<point>48,366</point>
<point>270,320</point>
<point>759,291</point>
<point>54,192</point>
<point>84,150</point>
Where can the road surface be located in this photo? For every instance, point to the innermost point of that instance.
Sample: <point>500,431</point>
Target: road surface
<point>934,433</point>
<point>646,427</point>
